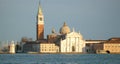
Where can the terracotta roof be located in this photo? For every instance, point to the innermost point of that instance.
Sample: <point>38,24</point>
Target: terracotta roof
<point>113,40</point>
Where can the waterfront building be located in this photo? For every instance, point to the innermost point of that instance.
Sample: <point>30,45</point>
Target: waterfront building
<point>98,48</point>
<point>93,45</point>
<point>112,45</point>
<point>49,48</point>
<point>12,47</point>
<point>31,46</point>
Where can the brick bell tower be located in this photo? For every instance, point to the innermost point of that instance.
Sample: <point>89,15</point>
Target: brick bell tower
<point>40,24</point>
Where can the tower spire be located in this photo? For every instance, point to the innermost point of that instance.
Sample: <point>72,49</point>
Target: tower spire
<point>40,8</point>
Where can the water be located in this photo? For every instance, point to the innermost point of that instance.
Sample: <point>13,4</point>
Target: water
<point>59,59</point>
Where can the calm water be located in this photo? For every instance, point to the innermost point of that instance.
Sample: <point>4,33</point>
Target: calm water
<point>59,59</point>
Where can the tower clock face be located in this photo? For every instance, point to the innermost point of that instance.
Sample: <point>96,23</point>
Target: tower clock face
<point>40,19</point>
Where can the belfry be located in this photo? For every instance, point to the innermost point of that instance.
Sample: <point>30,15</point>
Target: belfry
<point>40,24</point>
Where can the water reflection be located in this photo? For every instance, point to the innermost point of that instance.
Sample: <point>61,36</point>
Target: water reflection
<point>59,59</point>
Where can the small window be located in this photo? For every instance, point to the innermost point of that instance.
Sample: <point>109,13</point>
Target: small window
<point>40,19</point>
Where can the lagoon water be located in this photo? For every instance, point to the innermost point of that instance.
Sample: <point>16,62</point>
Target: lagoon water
<point>59,59</point>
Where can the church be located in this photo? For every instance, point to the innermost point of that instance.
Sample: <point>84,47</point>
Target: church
<point>66,41</point>
<point>72,42</point>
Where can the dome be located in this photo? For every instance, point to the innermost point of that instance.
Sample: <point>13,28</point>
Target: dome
<point>54,34</point>
<point>64,29</point>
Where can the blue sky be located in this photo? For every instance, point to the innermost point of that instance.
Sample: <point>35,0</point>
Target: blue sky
<point>95,19</point>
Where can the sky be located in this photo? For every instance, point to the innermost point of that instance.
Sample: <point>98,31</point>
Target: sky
<point>94,19</point>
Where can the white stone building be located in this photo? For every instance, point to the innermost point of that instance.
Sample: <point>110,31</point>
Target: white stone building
<point>48,48</point>
<point>71,42</point>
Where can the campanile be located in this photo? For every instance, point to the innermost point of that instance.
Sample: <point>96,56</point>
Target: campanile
<point>40,24</point>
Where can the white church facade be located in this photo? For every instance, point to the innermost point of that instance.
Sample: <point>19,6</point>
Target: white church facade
<point>73,43</point>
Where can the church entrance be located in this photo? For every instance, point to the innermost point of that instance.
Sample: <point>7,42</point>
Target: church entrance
<point>73,48</point>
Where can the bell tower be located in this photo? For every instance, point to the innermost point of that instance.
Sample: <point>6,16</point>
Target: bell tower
<point>40,24</point>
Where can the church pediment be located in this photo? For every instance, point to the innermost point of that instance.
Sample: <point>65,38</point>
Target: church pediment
<point>73,34</point>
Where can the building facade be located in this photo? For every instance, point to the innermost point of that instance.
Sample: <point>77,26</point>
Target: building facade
<point>31,46</point>
<point>73,43</point>
<point>112,45</point>
<point>49,48</point>
<point>92,46</point>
